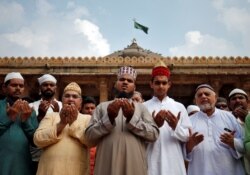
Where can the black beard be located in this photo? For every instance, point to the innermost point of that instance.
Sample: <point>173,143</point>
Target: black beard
<point>122,94</point>
<point>47,94</point>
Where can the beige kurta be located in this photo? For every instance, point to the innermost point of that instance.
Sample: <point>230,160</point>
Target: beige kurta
<point>64,154</point>
<point>121,148</point>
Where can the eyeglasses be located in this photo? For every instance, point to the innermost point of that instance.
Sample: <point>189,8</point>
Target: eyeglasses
<point>160,82</point>
<point>74,96</point>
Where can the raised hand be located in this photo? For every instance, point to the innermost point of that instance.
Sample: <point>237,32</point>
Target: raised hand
<point>25,109</point>
<point>240,113</point>
<point>12,111</point>
<point>20,108</point>
<point>171,119</point>
<point>55,106</point>
<point>64,114</point>
<point>42,109</point>
<point>194,139</point>
<point>128,109</point>
<point>228,138</point>
<point>73,113</point>
<point>159,118</point>
<point>113,109</point>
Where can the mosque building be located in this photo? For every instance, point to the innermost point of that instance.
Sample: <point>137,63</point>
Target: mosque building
<point>97,75</point>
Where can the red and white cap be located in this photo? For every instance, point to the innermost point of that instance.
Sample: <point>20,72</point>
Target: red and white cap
<point>160,69</point>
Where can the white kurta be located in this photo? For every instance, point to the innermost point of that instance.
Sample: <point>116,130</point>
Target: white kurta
<point>165,156</point>
<point>211,156</point>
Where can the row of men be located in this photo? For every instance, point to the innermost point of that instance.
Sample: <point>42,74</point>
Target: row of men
<point>131,138</point>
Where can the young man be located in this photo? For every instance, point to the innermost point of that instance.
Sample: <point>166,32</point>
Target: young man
<point>165,155</point>
<point>121,129</point>
<point>216,144</point>
<point>61,134</point>
<point>17,126</point>
<point>47,104</point>
<point>238,104</point>
<point>88,105</point>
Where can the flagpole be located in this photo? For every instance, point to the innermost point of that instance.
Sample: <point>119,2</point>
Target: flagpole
<point>133,30</point>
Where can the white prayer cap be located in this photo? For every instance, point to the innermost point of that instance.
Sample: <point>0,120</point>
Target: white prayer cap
<point>192,108</point>
<point>127,70</point>
<point>46,77</point>
<point>237,91</point>
<point>13,75</point>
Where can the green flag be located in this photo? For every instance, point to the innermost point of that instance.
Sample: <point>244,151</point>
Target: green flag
<point>141,27</point>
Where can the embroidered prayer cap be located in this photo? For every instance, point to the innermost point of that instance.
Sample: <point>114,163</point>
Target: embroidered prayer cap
<point>192,108</point>
<point>127,70</point>
<point>13,75</point>
<point>47,77</point>
<point>160,69</point>
<point>204,86</point>
<point>237,91</point>
<point>73,86</point>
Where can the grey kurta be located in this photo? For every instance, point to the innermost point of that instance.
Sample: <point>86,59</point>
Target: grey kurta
<point>121,147</point>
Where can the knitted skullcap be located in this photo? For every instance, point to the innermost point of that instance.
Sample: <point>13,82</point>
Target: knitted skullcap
<point>73,86</point>
<point>13,75</point>
<point>237,91</point>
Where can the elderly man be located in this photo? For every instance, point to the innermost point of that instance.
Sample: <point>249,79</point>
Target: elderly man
<point>61,135</point>
<point>121,128</point>
<point>165,155</point>
<point>137,97</point>
<point>46,104</point>
<point>215,147</point>
<point>17,126</point>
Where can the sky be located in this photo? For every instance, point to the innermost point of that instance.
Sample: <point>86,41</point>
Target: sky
<point>96,28</point>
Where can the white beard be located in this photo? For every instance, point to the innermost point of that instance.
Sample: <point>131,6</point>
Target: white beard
<point>206,107</point>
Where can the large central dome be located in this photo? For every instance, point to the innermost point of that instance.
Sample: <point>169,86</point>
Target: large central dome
<point>134,50</point>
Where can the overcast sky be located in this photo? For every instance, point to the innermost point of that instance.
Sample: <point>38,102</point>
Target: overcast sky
<point>100,27</point>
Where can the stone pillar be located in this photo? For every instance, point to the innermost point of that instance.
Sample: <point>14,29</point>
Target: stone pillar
<point>103,90</point>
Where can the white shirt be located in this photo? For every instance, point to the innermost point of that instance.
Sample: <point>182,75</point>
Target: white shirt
<point>165,156</point>
<point>211,156</point>
<point>35,106</point>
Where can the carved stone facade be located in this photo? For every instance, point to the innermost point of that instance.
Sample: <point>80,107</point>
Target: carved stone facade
<point>97,76</point>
